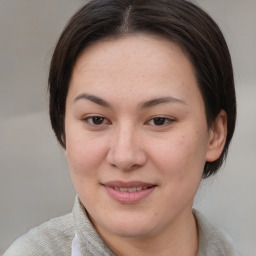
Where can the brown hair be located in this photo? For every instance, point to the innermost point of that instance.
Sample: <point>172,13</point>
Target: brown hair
<point>178,20</point>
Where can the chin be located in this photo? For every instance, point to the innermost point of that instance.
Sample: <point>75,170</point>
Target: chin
<point>128,226</point>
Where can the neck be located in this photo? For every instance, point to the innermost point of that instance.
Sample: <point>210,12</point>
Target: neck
<point>179,239</point>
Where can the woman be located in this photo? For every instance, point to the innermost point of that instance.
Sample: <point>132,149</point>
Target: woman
<point>142,100</point>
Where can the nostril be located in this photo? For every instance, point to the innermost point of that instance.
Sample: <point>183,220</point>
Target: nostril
<point>126,167</point>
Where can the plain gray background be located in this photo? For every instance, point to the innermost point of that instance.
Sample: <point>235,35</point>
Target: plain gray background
<point>35,184</point>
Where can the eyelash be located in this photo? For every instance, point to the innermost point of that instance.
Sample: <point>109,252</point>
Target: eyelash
<point>165,120</point>
<point>98,121</point>
<point>91,120</point>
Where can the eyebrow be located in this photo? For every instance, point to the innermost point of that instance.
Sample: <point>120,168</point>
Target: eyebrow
<point>146,104</point>
<point>161,100</point>
<point>92,98</point>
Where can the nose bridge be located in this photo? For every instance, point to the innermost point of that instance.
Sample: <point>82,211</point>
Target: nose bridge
<point>126,150</point>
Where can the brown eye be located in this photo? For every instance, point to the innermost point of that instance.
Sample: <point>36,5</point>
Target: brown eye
<point>159,121</point>
<point>96,120</point>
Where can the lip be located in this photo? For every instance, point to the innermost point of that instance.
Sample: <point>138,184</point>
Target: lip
<point>126,197</point>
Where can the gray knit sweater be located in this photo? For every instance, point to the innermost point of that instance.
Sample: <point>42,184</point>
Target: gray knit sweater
<point>55,238</point>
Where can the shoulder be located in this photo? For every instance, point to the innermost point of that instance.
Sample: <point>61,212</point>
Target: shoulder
<point>51,238</point>
<point>213,240</point>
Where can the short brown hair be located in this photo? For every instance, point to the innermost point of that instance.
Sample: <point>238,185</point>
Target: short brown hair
<point>177,20</point>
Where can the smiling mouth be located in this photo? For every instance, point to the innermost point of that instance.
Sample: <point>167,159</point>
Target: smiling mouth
<point>128,192</point>
<point>131,190</point>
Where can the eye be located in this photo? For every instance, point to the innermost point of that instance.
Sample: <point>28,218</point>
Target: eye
<point>96,120</point>
<point>159,121</point>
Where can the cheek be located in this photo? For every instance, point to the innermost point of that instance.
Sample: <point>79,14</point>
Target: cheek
<point>181,154</point>
<point>84,155</point>
<point>180,162</point>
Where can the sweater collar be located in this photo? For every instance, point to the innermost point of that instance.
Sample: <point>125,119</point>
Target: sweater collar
<point>90,241</point>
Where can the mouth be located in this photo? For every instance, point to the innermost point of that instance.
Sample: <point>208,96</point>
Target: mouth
<point>128,192</point>
<point>132,189</point>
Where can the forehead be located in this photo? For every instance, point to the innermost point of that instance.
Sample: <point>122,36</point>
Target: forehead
<point>134,49</point>
<point>133,63</point>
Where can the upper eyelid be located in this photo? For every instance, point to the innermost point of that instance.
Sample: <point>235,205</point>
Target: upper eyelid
<point>92,115</point>
<point>86,118</point>
<point>168,121</point>
<point>171,119</point>
<point>161,116</point>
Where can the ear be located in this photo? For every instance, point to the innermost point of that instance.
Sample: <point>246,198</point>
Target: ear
<point>217,138</point>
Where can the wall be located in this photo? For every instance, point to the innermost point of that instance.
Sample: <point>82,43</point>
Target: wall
<point>35,183</point>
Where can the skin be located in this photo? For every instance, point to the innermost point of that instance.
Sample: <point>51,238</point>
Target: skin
<point>118,81</point>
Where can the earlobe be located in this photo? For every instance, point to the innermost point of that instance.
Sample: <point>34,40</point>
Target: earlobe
<point>218,134</point>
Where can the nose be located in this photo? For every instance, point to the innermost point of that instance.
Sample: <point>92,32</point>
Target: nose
<point>126,150</point>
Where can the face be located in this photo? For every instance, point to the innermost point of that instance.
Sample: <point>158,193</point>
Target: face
<point>136,135</point>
